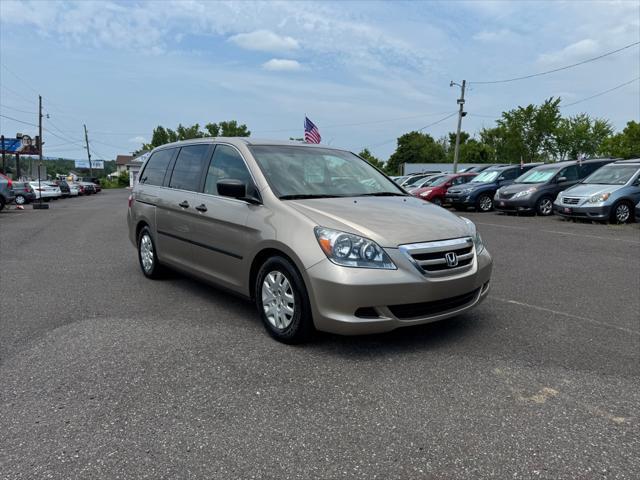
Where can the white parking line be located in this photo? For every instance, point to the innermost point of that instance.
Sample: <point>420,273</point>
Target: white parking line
<point>576,317</point>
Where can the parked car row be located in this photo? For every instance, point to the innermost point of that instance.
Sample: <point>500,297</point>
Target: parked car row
<point>599,189</point>
<point>22,193</point>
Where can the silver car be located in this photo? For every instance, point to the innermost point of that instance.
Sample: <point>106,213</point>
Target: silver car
<point>609,193</point>
<point>315,236</point>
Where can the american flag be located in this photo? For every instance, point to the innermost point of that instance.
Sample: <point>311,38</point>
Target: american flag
<point>311,133</point>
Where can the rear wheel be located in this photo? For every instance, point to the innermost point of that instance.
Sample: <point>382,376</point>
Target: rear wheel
<point>622,212</point>
<point>544,206</point>
<point>1,203</point>
<point>283,303</point>
<point>20,200</point>
<point>484,203</point>
<point>147,256</point>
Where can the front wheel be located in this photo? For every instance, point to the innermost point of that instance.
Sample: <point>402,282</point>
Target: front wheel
<point>20,200</point>
<point>621,212</point>
<point>437,201</point>
<point>283,303</point>
<point>544,207</point>
<point>485,203</point>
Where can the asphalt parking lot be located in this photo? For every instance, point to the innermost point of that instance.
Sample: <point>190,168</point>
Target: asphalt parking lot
<point>106,374</point>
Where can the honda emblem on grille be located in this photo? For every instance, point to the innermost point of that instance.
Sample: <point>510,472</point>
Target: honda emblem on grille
<point>452,259</point>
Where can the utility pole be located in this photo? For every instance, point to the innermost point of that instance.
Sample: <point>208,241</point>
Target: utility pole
<point>4,160</point>
<point>86,139</point>
<point>461,113</point>
<point>40,205</point>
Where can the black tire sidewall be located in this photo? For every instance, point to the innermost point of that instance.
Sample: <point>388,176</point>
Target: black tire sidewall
<point>301,326</point>
<point>480,202</point>
<point>24,200</point>
<point>613,218</point>
<point>156,270</point>
<point>539,204</point>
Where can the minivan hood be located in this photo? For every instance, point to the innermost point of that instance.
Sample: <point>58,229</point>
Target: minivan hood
<point>582,190</point>
<point>389,221</point>
<point>519,187</point>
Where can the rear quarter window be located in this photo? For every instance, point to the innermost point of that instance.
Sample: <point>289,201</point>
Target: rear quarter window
<point>156,167</point>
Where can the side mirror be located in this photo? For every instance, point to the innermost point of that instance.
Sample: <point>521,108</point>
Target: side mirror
<point>232,188</point>
<point>562,179</point>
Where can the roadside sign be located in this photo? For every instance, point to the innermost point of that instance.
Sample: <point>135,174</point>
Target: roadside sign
<point>99,164</point>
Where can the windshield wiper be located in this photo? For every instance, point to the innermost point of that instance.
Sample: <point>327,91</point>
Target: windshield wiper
<point>302,196</point>
<point>382,194</point>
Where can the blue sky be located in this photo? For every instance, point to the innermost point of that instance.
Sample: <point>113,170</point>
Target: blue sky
<point>364,72</point>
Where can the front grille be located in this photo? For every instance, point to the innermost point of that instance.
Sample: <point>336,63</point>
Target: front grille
<point>570,200</point>
<point>427,309</point>
<point>445,257</point>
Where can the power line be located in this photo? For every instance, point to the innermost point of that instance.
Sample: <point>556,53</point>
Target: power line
<point>18,120</point>
<point>419,130</point>
<point>600,93</point>
<point>17,94</point>
<point>566,67</point>
<point>17,109</point>
<point>22,80</point>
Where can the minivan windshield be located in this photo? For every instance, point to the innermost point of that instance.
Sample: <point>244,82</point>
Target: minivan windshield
<point>296,172</point>
<point>537,176</point>
<point>485,177</point>
<point>611,175</point>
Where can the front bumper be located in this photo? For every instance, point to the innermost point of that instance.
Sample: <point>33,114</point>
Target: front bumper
<point>512,205</point>
<point>458,199</point>
<point>389,299</point>
<point>597,212</point>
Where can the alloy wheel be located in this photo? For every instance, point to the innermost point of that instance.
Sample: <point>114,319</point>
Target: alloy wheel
<point>546,206</point>
<point>278,301</point>
<point>20,200</point>
<point>146,252</point>
<point>486,203</point>
<point>623,213</point>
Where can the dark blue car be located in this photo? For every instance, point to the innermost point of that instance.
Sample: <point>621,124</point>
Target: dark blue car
<point>479,192</point>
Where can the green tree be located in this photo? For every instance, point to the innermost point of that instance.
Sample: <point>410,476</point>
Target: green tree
<point>625,144</point>
<point>162,135</point>
<point>368,156</point>
<point>580,135</point>
<point>415,147</point>
<point>529,132</point>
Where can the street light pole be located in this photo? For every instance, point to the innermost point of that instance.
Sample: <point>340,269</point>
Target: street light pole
<point>461,113</point>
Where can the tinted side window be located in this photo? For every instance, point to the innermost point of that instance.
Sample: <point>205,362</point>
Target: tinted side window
<point>156,167</point>
<point>188,168</point>
<point>571,173</point>
<point>226,163</point>
<point>510,174</point>
<point>588,168</point>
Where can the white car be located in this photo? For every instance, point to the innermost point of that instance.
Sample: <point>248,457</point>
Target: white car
<point>74,190</point>
<point>46,190</point>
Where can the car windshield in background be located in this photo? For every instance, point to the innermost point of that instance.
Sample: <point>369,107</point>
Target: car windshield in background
<point>537,176</point>
<point>485,177</point>
<point>307,172</point>
<point>612,175</point>
<point>438,181</point>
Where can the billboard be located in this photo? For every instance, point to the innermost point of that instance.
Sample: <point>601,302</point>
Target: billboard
<point>98,164</point>
<point>24,145</point>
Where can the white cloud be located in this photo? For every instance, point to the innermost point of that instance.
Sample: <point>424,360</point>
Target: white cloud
<point>282,65</point>
<point>138,139</point>
<point>265,41</point>
<point>575,52</point>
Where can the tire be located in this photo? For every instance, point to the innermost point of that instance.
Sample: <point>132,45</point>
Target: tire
<point>21,200</point>
<point>1,204</point>
<point>437,201</point>
<point>147,255</point>
<point>622,212</point>
<point>544,206</point>
<point>283,302</point>
<point>484,203</point>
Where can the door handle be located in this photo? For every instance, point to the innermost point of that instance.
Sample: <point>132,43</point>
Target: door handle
<point>201,208</point>
<point>184,204</point>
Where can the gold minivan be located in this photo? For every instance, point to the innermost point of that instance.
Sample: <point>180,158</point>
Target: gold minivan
<point>317,237</point>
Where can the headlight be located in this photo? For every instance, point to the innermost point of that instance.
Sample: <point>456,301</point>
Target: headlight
<point>426,193</point>
<point>351,250</point>
<point>466,192</point>
<point>525,193</point>
<point>600,198</point>
<point>473,233</point>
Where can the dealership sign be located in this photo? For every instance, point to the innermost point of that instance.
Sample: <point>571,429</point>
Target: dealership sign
<point>94,164</point>
<point>24,145</point>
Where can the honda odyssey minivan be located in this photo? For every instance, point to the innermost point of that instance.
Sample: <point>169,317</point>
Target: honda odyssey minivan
<point>317,237</point>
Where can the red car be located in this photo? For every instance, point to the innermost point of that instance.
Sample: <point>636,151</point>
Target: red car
<point>435,190</point>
